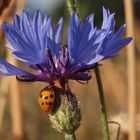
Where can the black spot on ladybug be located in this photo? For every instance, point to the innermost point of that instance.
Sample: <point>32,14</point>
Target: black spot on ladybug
<point>46,103</point>
<point>50,103</point>
<point>41,96</point>
<point>46,97</point>
<point>42,103</point>
<point>51,96</point>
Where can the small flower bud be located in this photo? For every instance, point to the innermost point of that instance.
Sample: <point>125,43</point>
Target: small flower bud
<point>67,118</point>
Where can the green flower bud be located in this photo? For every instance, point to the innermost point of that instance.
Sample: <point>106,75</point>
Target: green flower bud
<point>68,117</point>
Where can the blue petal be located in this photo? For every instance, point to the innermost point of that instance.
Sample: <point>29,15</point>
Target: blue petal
<point>87,34</point>
<point>17,22</point>
<point>74,35</point>
<point>53,36</point>
<point>56,41</point>
<point>114,49</point>
<point>58,31</point>
<point>37,26</point>
<point>117,36</point>
<point>108,19</point>
<point>26,38</point>
<point>28,30</point>
<point>20,44</point>
<point>81,39</point>
<point>7,69</point>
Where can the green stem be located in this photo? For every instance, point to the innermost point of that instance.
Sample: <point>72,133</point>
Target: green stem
<point>72,6</point>
<point>70,136</point>
<point>102,104</point>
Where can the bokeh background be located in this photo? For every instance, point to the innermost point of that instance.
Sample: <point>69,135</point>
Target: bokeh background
<point>34,123</point>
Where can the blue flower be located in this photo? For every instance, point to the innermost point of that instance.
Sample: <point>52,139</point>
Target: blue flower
<point>38,44</point>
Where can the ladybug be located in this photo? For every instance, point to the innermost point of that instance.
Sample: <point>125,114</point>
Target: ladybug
<point>46,99</point>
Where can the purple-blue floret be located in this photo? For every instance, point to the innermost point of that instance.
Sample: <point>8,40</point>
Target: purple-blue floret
<point>38,44</point>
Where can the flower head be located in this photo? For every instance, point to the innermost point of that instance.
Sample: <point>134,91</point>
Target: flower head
<point>39,45</point>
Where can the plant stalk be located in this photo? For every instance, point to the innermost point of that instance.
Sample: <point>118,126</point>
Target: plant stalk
<point>70,136</point>
<point>131,70</point>
<point>72,6</point>
<point>102,104</point>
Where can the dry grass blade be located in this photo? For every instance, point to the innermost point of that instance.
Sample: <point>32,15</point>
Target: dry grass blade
<point>128,4</point>
<point>7,10</point>
<point>6,13</point>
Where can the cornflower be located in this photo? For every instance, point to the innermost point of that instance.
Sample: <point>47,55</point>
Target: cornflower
<point>38,44</point>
